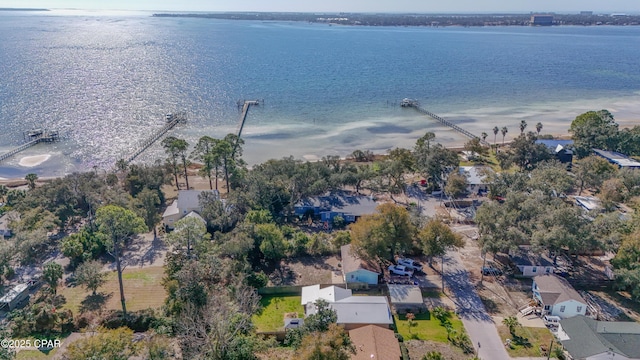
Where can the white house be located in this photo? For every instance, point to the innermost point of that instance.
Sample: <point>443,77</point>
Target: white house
<point>352,311</point>
<point>531,264</point>
<point>354,270</point>
<point>188,201</point>
<point>14,297</point>
<point>557,297</point>
<point>476,177</point>
<point>586,338</point>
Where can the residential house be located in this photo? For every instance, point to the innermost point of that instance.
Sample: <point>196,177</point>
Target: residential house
<point>406,298</point>
<point>355,270</point>
<point>14,297</point>
<point>338,203</point>
<point>476,177</point>
<point>374,342</point>
<point>620,160</point>
<point>187,201</point>
<point>352,311</point>
<point>531,264</point>
<point>589,339</point>
<point>560,148</point>
<point>557,297</point>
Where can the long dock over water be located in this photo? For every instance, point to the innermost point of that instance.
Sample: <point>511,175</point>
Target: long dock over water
<point>172,121</point>
<point>243,116</point>
<point>414,104</point>
<point>34,137</point>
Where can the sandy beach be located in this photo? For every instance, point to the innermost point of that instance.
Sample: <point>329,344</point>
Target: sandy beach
<point>32,161</point>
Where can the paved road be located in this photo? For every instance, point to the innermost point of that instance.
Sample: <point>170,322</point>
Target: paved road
<point>471,310</point>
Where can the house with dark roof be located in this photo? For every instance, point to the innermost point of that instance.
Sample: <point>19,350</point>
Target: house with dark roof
<point>557,297</point>
<point>356,270</point>
<point>562,149</point>
<point>622,161</point>
<point>374,342</point>
<point>188,201</point>
<point>338,203</point>
<point>352,311</point>
<point>589,339</point>
<point>531,264</point>
<point>406,298</point>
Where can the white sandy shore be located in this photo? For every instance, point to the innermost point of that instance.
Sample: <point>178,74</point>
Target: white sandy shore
<point>31,161</point>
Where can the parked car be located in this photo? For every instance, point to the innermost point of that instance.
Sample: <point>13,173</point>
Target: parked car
<point>487,270</point>
<point>410,263</point>
<point>400,270</point>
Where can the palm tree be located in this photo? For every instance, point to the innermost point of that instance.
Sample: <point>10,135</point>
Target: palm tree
<point>523,125</point>
<point>484,136</point>
<point>504,132</point>
<point>539,127</point>
<point>31,178</point>
<point>495,135</point>
<point>511,322</point>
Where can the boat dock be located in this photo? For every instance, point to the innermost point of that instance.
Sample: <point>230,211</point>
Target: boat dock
<point>414,104</point>
<point>245,110</point>
<point>32,137</point>
<point>172,121</point>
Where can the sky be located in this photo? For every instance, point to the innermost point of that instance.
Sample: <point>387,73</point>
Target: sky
<point>423,6</point>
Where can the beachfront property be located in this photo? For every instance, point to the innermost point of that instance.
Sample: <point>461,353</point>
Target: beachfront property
<point>355,270</point>
<point>352,311</point>
<point>338,203</point>
<point>374,342</point>
<point>188,201</point>
<point>476,177</point>
<point>557,297</point>
<point>622,161</point>
<point>589,339</point>
<point>560,148</point>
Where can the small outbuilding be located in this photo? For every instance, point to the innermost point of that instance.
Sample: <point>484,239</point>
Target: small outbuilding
<point>406,298</point>
<point>355,270</point>
<point>14,297</point>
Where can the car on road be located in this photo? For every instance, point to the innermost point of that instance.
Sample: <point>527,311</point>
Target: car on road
<point>400,270</point>
<point>410,263</point>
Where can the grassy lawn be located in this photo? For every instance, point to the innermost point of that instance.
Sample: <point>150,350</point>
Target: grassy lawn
<point>142,290</point>
<point>426,327</point>
<point>271,317</point>
<point>34,355</point>
<point>535,336</point>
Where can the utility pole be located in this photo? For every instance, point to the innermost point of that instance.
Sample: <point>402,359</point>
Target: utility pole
<point>442,272</point>
<point>484,260</point>
<point>549,352</point>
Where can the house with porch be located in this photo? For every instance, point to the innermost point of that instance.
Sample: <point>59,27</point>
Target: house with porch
<point>589,339</point>
<point>557,297</point>
<point>356,270</point>
<point>352,311</point>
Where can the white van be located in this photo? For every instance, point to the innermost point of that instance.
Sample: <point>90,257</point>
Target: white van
<point>551,321</point>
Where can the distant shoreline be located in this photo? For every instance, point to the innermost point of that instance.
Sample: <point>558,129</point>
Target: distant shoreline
<point>421,20</point>
<point>23,9</point>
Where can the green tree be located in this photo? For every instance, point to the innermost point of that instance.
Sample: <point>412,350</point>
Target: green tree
<point>434,161</point>
<point>456,185</point>
<point>504,132</point>
<point>333,344</point>
<point>538,128</point>
<point>525,152</point>
<point>495,136</point>
<point>118,224</point>
<point>511,322</point>
<point>592,171</point>
<point>206,152</point>
<point>475,146</point>
<point>626,264</point>
<point>523,125</point>
<point>594,129</point>
<point>31,179</point>
<point>321,320</point>
<point>436,238</point>
<point>147,202</point>
<point>550,178</point>
<point>177,148</point>
<point>90,274</point>
<point>3,192</point>
<point>115,344</point>
<point>484,136</point>
<point>271,242</point>
<point>51,274</point>
<point>433,355</point>
<point>189,234</point>
<point>382,235</point>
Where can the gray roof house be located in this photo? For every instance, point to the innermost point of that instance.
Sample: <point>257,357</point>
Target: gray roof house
<point>14,297</point>
<point>338,203</point>
<point>187,201</point>
<point>356,270</point>
<point>620,160</point>
<point>531,264</point>
<point>557,297</point>
<point>406,298</point>
<point>588,339</point>
<point>353,311</point>
<point>476,177</point>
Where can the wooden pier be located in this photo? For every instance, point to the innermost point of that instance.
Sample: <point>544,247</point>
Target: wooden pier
<point>243,117</point>
<point>32,137</point>
<point>414,104</point>
<point>172,121</point>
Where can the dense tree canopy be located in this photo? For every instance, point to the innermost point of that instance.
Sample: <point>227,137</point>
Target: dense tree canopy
<point>594,129</point>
